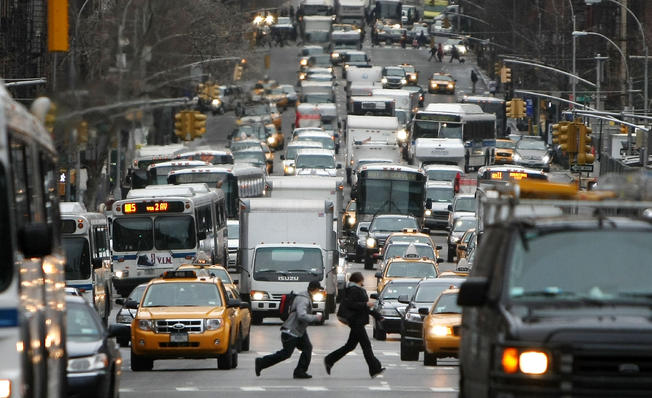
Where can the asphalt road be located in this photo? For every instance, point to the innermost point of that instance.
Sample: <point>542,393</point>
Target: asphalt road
<point>200,378</point>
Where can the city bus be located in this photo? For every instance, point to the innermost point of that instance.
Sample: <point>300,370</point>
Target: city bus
<point>157,173</point>
<point>490,105</point>
<point>390,188</point>
<point>433,8</point>
<point>158,228</point>
<point>237,182</point>
<point>85,238</point>
<point>32,284</point>
<point>459,134</point>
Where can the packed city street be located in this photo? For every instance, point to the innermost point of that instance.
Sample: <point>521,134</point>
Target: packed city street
<point>325,198</point>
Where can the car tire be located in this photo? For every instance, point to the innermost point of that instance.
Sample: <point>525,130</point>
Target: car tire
<point>246,343</point>
<point>123,341</point>
<point>229,359</point>
<point>451,255</point>
<point>429,359</point>
<point>140,363</point>
<point>379,334</point>
<point>256,319</point>
<point>368,264</point>
<point>408,353</point>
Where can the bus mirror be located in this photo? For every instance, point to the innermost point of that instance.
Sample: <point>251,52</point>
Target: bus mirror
<point>339,166</point>
<point>97,263</point>
<point>201,235</point>
<point>450,207</point>
<point>428,203</point>
<point>138,178</point>
<point>35,240</point>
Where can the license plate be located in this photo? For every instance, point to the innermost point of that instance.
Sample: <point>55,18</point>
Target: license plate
<point>440,151</point>
<point>178,337</point>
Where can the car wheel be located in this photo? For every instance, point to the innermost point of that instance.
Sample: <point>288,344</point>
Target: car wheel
<point>451,254</point>
<point>225,361</point>
<point>408,353</point>
<point>123,341</point>
<point>379,334</point>
<point>429,359</point>
<point>246,342</point>
<point>140,363</point>
<point>256,319</point>
<point>368,264</point>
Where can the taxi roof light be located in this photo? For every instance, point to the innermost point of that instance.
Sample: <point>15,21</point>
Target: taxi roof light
<point>179,274</point>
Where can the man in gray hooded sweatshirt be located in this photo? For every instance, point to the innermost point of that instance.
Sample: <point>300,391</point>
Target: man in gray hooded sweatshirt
<point>294,334</point>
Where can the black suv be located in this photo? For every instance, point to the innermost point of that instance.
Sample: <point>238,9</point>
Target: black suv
<point>560,306</point>
<point>412,323</point>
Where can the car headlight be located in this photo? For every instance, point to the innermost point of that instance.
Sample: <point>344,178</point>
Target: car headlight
<point>371,243</point>
<point>433,84</point>
<point>451,85</point>
<point>351,220</point>
<point>216,103</point>
<point>413,77</point>
<point>441,331</point>
<point>259,296</point>
<point>303,62</point>
<point>546,159</point>
<point>335,55</point>
<point>330,69</point>
<point>5,388</point>
<point>346,66</point>
<point>302,76</point>
<point>123,318</point>
<point>319,296</point>
<point>384,80</point>
<point>402,135</point>
<point>289,169</point>
<point>403,81</point>
<point>516,157</point>
<point>413,316</point>
<point>86,364</point>
<point>529,362</point>
<point>145,324</point>
<point>447,47</point>
<point>388,312</point>
<point>428,212</point>
<point>212,324</point>
<point>271,139</point>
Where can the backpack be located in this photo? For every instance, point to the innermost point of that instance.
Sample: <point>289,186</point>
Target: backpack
<point>286,305</point>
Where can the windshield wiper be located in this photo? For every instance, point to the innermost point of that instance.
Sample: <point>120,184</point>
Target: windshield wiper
<point>271,270</point>
<point>304,271</point>
<point>563,295</point>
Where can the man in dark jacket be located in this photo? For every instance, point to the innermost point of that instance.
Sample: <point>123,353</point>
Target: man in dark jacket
<point>355,308</point>
<point>294,334</point>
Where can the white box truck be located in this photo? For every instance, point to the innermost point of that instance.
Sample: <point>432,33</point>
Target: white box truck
<point>379,131</point>
<point>285,244</point>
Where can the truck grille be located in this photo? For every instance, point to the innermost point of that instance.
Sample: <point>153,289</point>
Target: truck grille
<point>440,214</point>
<point>171,325</point>
<point>276,296</point>
<point>612,372</point>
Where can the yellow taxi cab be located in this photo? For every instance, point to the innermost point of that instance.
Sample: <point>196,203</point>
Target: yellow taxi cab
<point>183,315</point>
<point>441,328</point>
<point>276,116</point>
<point>409,266</point>
<point>278,96</point>
<point>275,140</point>
<point>504,152</point>
<point>462,248</point>
<point>411,73</point>
<point>411,235</point>
<point>349,220</point>
<point>242,318</point>
<point>453,274</point>
<point>262,85</point>
<point>214,270</point>
<point>441,82</point>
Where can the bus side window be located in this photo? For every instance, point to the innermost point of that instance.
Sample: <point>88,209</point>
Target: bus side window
<point>51,208</point>
<point>204,220</point>
<point>19,162</point>
<point>101,243</point>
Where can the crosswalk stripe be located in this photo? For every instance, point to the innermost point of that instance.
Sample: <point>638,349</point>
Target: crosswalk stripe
<point>187,389</point>
<point>443,389</point>
<point>252,388</point>
<point>315,388</point>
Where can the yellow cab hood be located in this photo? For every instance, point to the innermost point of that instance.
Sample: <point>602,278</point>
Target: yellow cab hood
<point>443,319</point>
<point>179,312</point>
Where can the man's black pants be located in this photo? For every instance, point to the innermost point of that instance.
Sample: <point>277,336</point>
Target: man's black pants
<point>289,344</point>
<point>358,334</point>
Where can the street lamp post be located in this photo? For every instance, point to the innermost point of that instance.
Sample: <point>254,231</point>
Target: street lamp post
<point>573,81</point>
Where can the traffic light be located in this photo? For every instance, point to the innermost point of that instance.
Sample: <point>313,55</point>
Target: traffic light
<point>237,72</point>
<point>505,75</point>
<point>50,118</point>
<point>509,108</point>
<point>565,136</point>
<point>497,67</point>
<point>82,132</point>
<point>198,124</point>
<point>183,123</point>
<point>519,108</point>
<point>584,148</point>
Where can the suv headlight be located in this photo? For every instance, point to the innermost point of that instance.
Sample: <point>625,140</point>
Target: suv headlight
<point>428,212</point>
<point>145,324</point>
<point>371,243</point>
<point>351,220</point>
<point>403,81</point>
<point>531,362</point>
<point>123,318</point>
<point>212,324</point>
<point>516,157</point>
<point>441,331</point>
<point>402,135</point>
<point>413,316</point>
<point>86,364</point>
<point>384,80</point>
<point>271,139</point>
<point>216,103</point>
<point>255,295</point>
<point>388,312</point>
<point>121,274</point>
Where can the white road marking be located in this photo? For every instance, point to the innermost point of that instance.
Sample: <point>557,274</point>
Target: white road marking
<point>316,388</point>
<point>187,389</point>
<point>380,388</point>
<point>443,389</point>
<point>252,388</point>
<point>126,390</point>
<point>390,353</point>
<point>263,353</point>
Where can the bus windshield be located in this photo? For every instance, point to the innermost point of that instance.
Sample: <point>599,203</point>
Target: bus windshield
<point>78,258</point>
<point>302,264</point>
<point>391,196</point>
<point>174,232</point>
<point>388,10</point>
<point>166,233</point>
<point>132,234</point>
<point>441,195</point>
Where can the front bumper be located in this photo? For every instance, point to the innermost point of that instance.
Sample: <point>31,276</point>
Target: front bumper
<point>88,384</point>
<point>440,88</point>
<point>535,164</point>
<point>391,324</point>
<point>270,308</point>
<point>208,344</point>
<point>444,346</point>
<point>412,334</point>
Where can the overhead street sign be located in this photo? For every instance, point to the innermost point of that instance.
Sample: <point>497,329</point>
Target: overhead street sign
<point>578,168</point>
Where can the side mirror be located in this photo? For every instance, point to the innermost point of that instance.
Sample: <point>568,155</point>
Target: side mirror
<point>139,179</point>
<point>35,240</point>
<point>236,282</point>
<point>473,292</point>
<point>364,229</point>
<point>428,203</point>
<point>119,330</point>
<point>438,247</point>
<point>378,275</point>
<point>131,304</point>
<point>439,260</point>
<point>120,301</point>
<point>339,166</point>
<point>232,303</point>
<point>450,207</point>
<point>245,305</point>
<point>282,157</point>
<point>201,235</point>
<point>404,299</point>
<point>424,311</point>
<point>374,296</point>
<point>97,263</point>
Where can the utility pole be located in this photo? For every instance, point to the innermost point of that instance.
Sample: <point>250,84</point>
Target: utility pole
<point>623,47</point>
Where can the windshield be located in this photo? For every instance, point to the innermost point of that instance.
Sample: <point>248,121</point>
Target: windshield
<point>465,204</point>
<point>505,144</point>
<point>233,230</point>
<point>327,142</point>
<point>319,77</point>
<point>303,264</point>
<point>311,51</point>
<point>256,110</point>
<point>222,274</point>
<point>394,250</point>
<point>132,234</point>
<point>550,266</point>
<point>410,270</point>
<point>80,322</point>
<point>357,58</point>
<point>442,175</point>
<point>440,195</point>
<point>209,157</point>
<point>447,304</point>
<point>464,224</point>
<point>391,196</point>
<point>324,98</point>
<point>403,116</point>
<point>400,72</point>
<point>174,232</point>
<point>225,181</point>
<point>78,258</point>
<point>428,292</point>
<point>531,145</point>
<point>393,290</point>
<point>363,162</point>
<point>388,10</point>
<point>257,158</point>
<point>432,129</point>
<point>392,224</point>
<point>315,162</point>
<point>137,293</point>
<point>182,294</point>
<point>408,68</point>
<point>240,145</point>
<point>444,78</point>
<point>159,175</point>
<point>257,131</point>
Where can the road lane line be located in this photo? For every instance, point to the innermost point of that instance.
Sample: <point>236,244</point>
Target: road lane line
<point>380,388</point>
<point>315,388</point>
<point>443,389</point>
<point>187,389</point>
<point>390,353</point>
<point>252,388</point>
